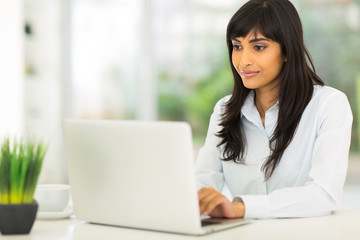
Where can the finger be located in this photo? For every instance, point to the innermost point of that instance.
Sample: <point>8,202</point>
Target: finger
<point>204,202</point>
<point>206,198</point>
<point>215,205</point>
<point>204,192</point>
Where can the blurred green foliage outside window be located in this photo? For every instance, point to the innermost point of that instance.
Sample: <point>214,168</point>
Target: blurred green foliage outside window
<point>332,35</point>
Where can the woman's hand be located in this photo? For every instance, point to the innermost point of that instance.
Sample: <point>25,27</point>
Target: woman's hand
<point>214,204</point>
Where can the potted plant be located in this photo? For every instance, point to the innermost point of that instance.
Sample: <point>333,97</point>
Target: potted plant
<point>20,166</point>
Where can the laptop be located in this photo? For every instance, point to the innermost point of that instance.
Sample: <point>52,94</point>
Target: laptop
<point>136,174</point>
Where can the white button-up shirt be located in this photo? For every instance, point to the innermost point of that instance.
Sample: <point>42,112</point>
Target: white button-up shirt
<point>310,176</point>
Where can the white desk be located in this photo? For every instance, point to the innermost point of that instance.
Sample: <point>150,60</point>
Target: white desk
<point>341,225</point>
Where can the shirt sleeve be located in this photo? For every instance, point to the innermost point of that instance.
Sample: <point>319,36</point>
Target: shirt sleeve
<point>323,190</point>
<point>208,165</point>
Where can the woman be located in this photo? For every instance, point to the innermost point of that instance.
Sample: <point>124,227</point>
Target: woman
<point>280,142</point>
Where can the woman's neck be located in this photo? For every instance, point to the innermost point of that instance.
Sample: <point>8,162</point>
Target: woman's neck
<point>264,100</point>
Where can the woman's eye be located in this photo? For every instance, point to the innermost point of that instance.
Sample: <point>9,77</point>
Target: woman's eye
<point>259,48</point>
<point>236,47</point>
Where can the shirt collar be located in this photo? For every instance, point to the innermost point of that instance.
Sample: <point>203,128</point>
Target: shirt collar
<point>248,106</point>
<point>249,109</point>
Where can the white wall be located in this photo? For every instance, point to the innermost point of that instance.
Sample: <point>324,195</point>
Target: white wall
<point>31,102</point>
<point>11,68</point>
<point>45,54</point>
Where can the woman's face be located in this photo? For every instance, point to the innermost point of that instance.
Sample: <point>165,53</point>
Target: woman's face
<point>258,60</point>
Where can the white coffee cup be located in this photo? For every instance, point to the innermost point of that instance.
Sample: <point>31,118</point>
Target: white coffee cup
<point>52,197</point>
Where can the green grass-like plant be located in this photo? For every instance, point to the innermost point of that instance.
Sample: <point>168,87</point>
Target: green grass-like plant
<point>20,166</point>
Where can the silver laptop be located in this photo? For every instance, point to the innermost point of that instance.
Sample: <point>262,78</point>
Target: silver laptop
<point>136,174</point>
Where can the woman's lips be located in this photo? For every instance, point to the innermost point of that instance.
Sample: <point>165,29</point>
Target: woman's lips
<point>248,73</point>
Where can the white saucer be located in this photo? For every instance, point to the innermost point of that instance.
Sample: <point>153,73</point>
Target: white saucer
<point>55,215</point>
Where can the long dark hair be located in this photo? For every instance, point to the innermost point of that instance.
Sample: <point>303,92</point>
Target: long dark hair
<point>279,21</point>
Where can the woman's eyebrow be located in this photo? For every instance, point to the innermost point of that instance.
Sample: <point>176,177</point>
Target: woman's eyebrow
<point>252,40</point>
<point>258,40</point>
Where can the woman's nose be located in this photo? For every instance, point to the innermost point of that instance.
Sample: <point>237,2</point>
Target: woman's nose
<point>245,59</point>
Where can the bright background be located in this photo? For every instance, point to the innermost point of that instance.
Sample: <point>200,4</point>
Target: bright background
<point>147,60</point>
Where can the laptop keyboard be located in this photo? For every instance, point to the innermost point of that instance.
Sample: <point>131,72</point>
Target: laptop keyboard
<point>205,223</point>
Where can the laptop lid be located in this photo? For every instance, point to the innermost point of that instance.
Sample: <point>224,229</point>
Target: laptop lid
<point>133,174</point>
